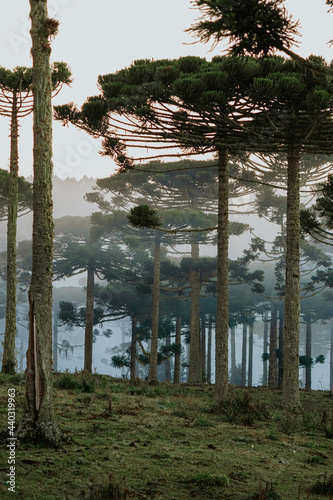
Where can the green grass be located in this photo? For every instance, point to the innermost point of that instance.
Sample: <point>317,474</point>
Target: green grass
<point>162,442</point>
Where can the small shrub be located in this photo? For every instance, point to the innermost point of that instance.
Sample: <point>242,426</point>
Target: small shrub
<point>289,423</point>
<point>113,490</point>
<point>324,487</point>
<point>316,459</point>
<point>242,409</point>
<point>66,381</point>
<point>266,492</point>
<point>204,480</point>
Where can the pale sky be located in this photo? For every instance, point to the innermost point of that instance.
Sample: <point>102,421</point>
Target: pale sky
<point>104,36</point>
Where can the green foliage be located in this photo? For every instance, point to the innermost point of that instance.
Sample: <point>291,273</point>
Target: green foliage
<point>324,487</point>
<point>204,480</point>
<point>252,26</point>
<point>241,409</point>
<point>24,194</point>
<point>144,217</point>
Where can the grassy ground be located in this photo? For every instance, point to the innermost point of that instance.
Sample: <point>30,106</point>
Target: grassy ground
<point>165,442</point>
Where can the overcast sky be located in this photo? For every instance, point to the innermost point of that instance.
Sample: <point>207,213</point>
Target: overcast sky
<point>103,36</point>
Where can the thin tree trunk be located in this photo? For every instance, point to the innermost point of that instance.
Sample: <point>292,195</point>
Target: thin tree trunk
<point>203,348</point>
<point>38,421</point>
<point>331,358</point>
<point>133,350</point>
<point>55,339</point>
<point>250,366</point>
<point>308,353</point>
<point>291,396</point>
<point>233,354</point>
<point>222,287</point>
<point>280,370</point>
<point>209,352</point>
<point>243,374</point>
<point>9,358</point>
<point>194,370</point>
<point>272,348</point>
<point>89,327</point>
<point>167,366</point>
<point>152,375</point>
<point>176,375</point>
<point>264,376</point>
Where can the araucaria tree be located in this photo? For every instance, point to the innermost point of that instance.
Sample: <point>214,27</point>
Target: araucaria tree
<point>16,102</point>
<point>298,98</point>
<point>187,103</point>
<point>38,421</point>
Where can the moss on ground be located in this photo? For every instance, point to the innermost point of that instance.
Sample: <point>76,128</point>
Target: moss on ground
<point>164,442</point>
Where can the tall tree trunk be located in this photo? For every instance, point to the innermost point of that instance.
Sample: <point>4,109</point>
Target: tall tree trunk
<point>209,352</point>
<point>243,374</point>
<point>9,358</point>
<point>167,361</point>
<point>250,366</point>
<point>89,327</point>
<point>331,358</point>
<point>272,348</point>
<point>195,284</point>
<point>222,287</point>
<point>152,375</point>
<point>133,350</point>
<point>233,354</point>
<point>291,396</point>
<point>203,348</point>
<point>55,338</point>
<point>38,422</point>
<point>308,352</point>
<point>281,349</point>
<point>264,375</point>
<point>176,374</point>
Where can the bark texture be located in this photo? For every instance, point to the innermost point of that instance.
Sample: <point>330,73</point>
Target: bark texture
<point>209,352</point>
<point>291,396</point>
<point>272,371</point>
<point>9,358</point>
<point>194,374</point>
<point>89,326</point>
<point>176,375</point>
<point>152,375</point>
<point>250,365</point>
<point>38,423</point>
<point>244,355</point>
<point>308,353</point>
<point>222,287</point>
<point>264,376</point>
<point>133,350</point>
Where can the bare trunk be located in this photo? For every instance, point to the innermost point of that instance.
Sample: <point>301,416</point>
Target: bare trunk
<point>272,348</point>
<point>331,358</point>
<point>233,354</point>
<point>152,375</point>
<point>176,376</point>
<point>291,396</point>
<point>209,352</point>
<point>280,371</point>
<point>89,327</point>
<point>243,375</point>
<point>250,366</point>
<point>194,374</point>
<point>222,287</point>
<point>203,348</point>
<point>308,353</point>
<point>38,421</point>
<point>167,361</point>
<point>264,376</point>
<point>55,339</point>
<point>133,350</point>
<point>9,358</point>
